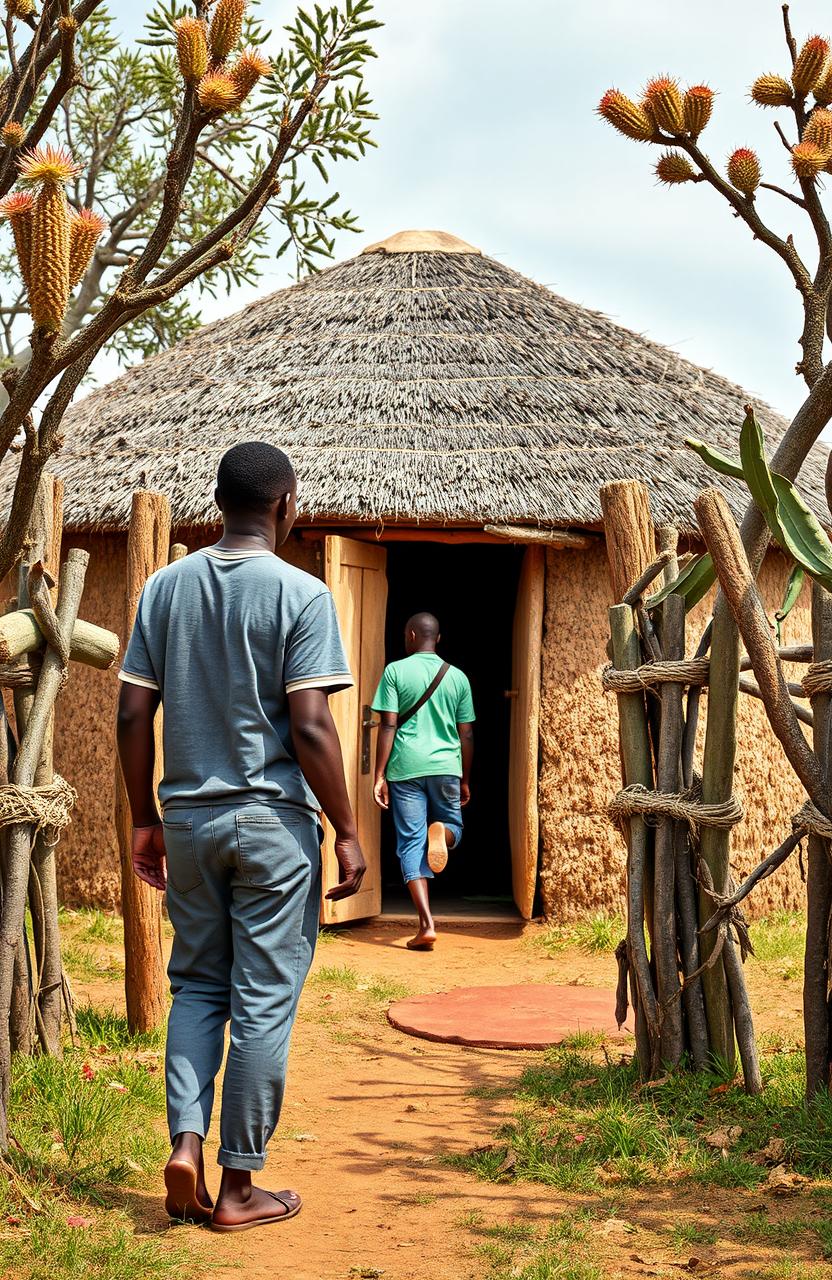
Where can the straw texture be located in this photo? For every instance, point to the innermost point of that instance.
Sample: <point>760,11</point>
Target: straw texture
<point>429,384</point>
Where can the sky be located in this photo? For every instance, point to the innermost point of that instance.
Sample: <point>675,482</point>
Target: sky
<point>488,130</point>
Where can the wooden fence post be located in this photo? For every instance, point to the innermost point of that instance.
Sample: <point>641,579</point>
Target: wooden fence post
<point>148,540</point>
<point>628,528</point>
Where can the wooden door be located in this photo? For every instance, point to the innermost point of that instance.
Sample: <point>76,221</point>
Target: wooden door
<point>355,574</point>
<point>527,642</point>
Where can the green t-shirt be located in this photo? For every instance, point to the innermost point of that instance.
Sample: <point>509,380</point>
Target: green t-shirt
<point>428,745</point>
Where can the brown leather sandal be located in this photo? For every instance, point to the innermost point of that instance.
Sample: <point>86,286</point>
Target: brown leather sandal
<point>182,1202</point>
<point>291,1202</point>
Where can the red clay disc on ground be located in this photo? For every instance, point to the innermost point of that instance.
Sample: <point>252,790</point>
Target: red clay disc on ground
<point>520,1017</point>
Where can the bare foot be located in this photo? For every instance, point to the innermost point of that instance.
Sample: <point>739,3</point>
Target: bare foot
<point>423,940</point>
<point>440,839</point>
<point>187,1195</point>
<point>238,1211</point>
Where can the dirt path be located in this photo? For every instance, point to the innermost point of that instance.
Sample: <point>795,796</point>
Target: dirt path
<point>370,1112</point>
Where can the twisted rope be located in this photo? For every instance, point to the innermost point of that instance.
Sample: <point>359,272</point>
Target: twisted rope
<point>682,806</point>
<point>818,678</point>
<point>689,671</point>
<point>809,820</point>
<point>49,806</point>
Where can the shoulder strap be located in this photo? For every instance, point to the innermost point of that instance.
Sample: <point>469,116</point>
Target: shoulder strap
<point>404,716</point>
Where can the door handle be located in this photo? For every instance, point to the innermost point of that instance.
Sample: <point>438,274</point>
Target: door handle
<point>367,726</point>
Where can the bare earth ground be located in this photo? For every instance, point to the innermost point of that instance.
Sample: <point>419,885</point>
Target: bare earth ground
<point>370,1112</point>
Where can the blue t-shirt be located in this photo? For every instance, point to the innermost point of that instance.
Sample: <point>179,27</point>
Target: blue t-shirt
<point>225,636</point>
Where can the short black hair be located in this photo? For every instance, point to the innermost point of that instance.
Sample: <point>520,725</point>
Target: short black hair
<point>425,625</point>
<point>251,476</point>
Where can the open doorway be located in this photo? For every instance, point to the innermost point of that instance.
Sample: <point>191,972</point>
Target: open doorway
<point>472,591</point>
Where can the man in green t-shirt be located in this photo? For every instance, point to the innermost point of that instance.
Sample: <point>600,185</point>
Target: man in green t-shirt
<point>423,761</point>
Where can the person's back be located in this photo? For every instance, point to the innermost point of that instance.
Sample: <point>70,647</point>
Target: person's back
<point>226,636</point>
<point>427,744</point>
<point>423,761</point>
<point>242,650</point>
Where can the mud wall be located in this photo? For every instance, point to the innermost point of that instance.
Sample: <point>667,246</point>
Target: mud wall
<point>85,742</point>
<point>582,855</point>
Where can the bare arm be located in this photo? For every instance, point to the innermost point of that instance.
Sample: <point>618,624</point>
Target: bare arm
<point>466,741</point>
<point>137,708</point>
<point>386,738</point>
<point>318,753</point>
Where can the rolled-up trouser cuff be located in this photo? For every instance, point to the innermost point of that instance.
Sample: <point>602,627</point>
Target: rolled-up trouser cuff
<point>240,1160</point>
<point>187,1123</point>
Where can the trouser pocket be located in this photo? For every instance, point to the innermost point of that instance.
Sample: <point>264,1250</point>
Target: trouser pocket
<point>183,869</point>
<point>273,847</point>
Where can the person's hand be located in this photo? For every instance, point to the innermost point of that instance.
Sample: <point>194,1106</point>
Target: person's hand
<point>464,794</point>
<point>380,792</point>
<point>352,865</point>
<point>148,855</point>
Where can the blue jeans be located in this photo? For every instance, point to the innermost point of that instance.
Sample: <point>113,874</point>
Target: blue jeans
<point>243,897</point>
<point>414,804</point>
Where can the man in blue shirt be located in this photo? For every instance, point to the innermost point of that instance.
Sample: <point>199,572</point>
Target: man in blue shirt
<point>243,650</point>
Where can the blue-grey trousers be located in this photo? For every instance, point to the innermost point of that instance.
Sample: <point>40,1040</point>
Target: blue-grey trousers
<point>243,897</point>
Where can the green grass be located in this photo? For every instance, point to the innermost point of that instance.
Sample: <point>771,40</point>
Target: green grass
<point>758,1228</point>
<point>596,936</point>
<point>687,1235</point>
<point>524,1250</point>
<point>779,938</point>
<point>343,977</point>
<point>84,1129</point>
<point>105,1250</point>
<point>85,963</point>
<point>105,1027</point>
<point>327,935</point>
<point>340,976</point>
<point>385,990</point>
<point>100,926</point>
<point>576,1122</point>
<point>791,1269</point>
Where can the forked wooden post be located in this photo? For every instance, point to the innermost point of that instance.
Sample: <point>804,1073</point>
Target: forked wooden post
<point>148,541</point>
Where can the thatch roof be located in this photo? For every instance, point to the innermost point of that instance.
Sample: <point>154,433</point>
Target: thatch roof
<point>420,381</point>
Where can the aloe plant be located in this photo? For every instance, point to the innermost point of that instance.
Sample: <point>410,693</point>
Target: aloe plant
<point>794,526</point>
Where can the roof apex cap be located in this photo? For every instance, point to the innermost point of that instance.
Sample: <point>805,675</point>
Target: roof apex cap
<point>421,242</point>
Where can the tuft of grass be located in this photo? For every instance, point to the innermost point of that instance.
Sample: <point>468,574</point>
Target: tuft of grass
<point>758,1228</point>
<point>85,962</point>
<point>578,1124</point>
<point>779,938</point>
<point>385,990</point>
<point>583,1040</point>
<point>100,926</point>
<point>327,935</point>
<point>105,1027</point>
<point>686,1235</point>
<point>520,1249</point>
<point>599,934</point>
<point>342,976</point>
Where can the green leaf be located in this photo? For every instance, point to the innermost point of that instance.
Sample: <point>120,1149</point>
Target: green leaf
<point>794,586</point>
<point>801,533</point>
<point>694,582</point>
<point>795,527</point>
<point>717,461</point>
<point>755,469</point>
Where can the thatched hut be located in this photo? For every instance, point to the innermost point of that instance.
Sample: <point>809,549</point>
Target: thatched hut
<point>451,423</point>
